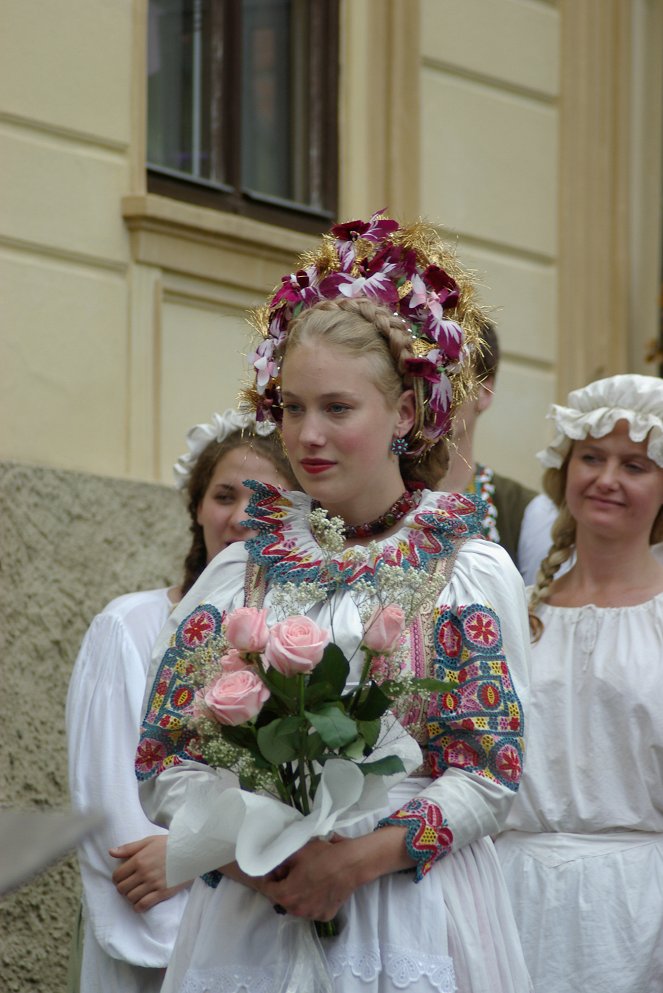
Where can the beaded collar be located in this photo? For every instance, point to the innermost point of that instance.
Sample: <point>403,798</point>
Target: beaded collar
<point>482,491</point>
<point>406,502</point>
<point>284,545</point>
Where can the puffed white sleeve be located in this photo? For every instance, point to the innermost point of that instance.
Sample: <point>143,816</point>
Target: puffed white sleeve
<point>480,642</point>
<point>166,760</point>
<point>102,715</point>
<point>535,537</point>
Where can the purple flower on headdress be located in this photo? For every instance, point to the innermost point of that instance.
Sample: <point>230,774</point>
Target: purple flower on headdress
<point>268,407</point>
<point>444,287</point>
<point>298,287</point>
<point>423,368</point>
<point>377,229</point>
<point>447,334</point>
<point>378,287</point>
<point>440,398</point>
<point>391,259</point>
<point>350,230</point>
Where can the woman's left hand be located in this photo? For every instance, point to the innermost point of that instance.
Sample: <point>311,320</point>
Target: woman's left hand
<point>322,875</point>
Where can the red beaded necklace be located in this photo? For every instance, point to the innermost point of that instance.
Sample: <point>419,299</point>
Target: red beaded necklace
<point>406,502</point>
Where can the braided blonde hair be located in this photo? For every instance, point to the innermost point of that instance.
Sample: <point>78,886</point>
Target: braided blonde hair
<point>352,324</point>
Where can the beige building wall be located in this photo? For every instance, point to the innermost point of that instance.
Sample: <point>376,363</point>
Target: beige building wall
<point>504,121</point>
<point>529,130</point>
<point>122,314</point>
<point>489,168</point>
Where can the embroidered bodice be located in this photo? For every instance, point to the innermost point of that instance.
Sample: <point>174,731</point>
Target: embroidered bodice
<point>288,551</point>
<point>475,730</point>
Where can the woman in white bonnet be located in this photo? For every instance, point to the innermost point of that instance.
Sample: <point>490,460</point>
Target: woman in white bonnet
<point>583,847</point>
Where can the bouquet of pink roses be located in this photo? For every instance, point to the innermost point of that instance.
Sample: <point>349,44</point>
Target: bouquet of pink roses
<point>275,708</point>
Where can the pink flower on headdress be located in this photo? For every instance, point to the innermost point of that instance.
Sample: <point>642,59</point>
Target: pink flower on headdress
<point>419,293</point>
<point>263,363</point>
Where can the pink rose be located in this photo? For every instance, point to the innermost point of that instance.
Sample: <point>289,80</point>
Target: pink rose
<point>246,629</point>
<point>236,697</point>
<point>232,661</point>
<point>295,646</point>
<point>384,629</point>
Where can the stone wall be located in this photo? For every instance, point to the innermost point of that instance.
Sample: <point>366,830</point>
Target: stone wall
<point>69,542</point>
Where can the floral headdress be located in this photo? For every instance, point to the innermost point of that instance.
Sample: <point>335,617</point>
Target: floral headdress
<point>415,276</point>
<point>218,429</point>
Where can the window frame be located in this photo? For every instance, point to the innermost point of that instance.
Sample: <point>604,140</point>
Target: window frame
<point>322,51</point>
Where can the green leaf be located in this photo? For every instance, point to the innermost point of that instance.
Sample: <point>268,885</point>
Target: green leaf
<point>370,731</point>
<point>374,704</point>
<point>279,741</point>
<point>382,767</point>
<point>317,694</point>
<point>332,669</point>
<point>284,687</point>
<point>314,746</point>
<point>241,736</point>
<point>355,750</point>
<point>334,727</point>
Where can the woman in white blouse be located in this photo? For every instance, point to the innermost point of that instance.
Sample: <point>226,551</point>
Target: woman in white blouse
<point>583,847</point>
<point>130,916</point>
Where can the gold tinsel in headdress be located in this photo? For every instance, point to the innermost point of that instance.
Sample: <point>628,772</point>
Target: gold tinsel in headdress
<point>411,272</point>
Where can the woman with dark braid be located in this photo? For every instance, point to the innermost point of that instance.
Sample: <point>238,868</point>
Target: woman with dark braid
<point>366,352</point>
<point>583,848</point>
<point>123,864</point>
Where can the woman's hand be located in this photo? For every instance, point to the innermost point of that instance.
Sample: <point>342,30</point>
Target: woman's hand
<point>141,877</point>
<point>316,881</point>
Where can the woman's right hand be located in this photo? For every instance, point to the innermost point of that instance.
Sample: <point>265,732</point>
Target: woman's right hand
<point>141,876</point>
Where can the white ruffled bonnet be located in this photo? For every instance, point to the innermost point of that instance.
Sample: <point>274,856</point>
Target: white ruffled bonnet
<point>218,429</point>
<point>595,409</point>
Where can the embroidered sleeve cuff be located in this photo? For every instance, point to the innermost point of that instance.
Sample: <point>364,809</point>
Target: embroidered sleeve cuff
<point>428,838</point>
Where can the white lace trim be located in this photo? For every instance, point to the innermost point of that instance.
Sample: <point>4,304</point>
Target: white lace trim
<point>403,968</point>
<point>402,965</point>
<point>246,980</point>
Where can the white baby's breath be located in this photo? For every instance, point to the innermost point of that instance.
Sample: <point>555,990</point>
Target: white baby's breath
<point>329,532</point>
<point>290,599</point>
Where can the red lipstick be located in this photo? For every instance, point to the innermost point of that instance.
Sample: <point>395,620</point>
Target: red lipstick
<point>315,466</point>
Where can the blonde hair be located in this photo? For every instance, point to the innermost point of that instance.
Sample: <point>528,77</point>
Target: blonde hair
<point>369,330</point>
<point>563,534</point>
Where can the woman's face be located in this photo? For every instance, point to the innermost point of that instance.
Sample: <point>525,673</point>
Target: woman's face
<point>337,428</point>
<point>612,487</point>
<point>224,504</point>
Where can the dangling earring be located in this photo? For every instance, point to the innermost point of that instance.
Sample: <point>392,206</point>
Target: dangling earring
<point>398,446</point>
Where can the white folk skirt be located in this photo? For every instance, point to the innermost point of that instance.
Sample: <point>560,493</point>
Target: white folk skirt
<point>453,931</point>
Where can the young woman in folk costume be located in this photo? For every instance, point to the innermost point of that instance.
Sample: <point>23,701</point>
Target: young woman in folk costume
<point>364,357</point>
<point>583,853</point>
<point>130,915</point>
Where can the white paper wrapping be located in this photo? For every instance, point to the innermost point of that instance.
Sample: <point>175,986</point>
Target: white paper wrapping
<point>215,826</point>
